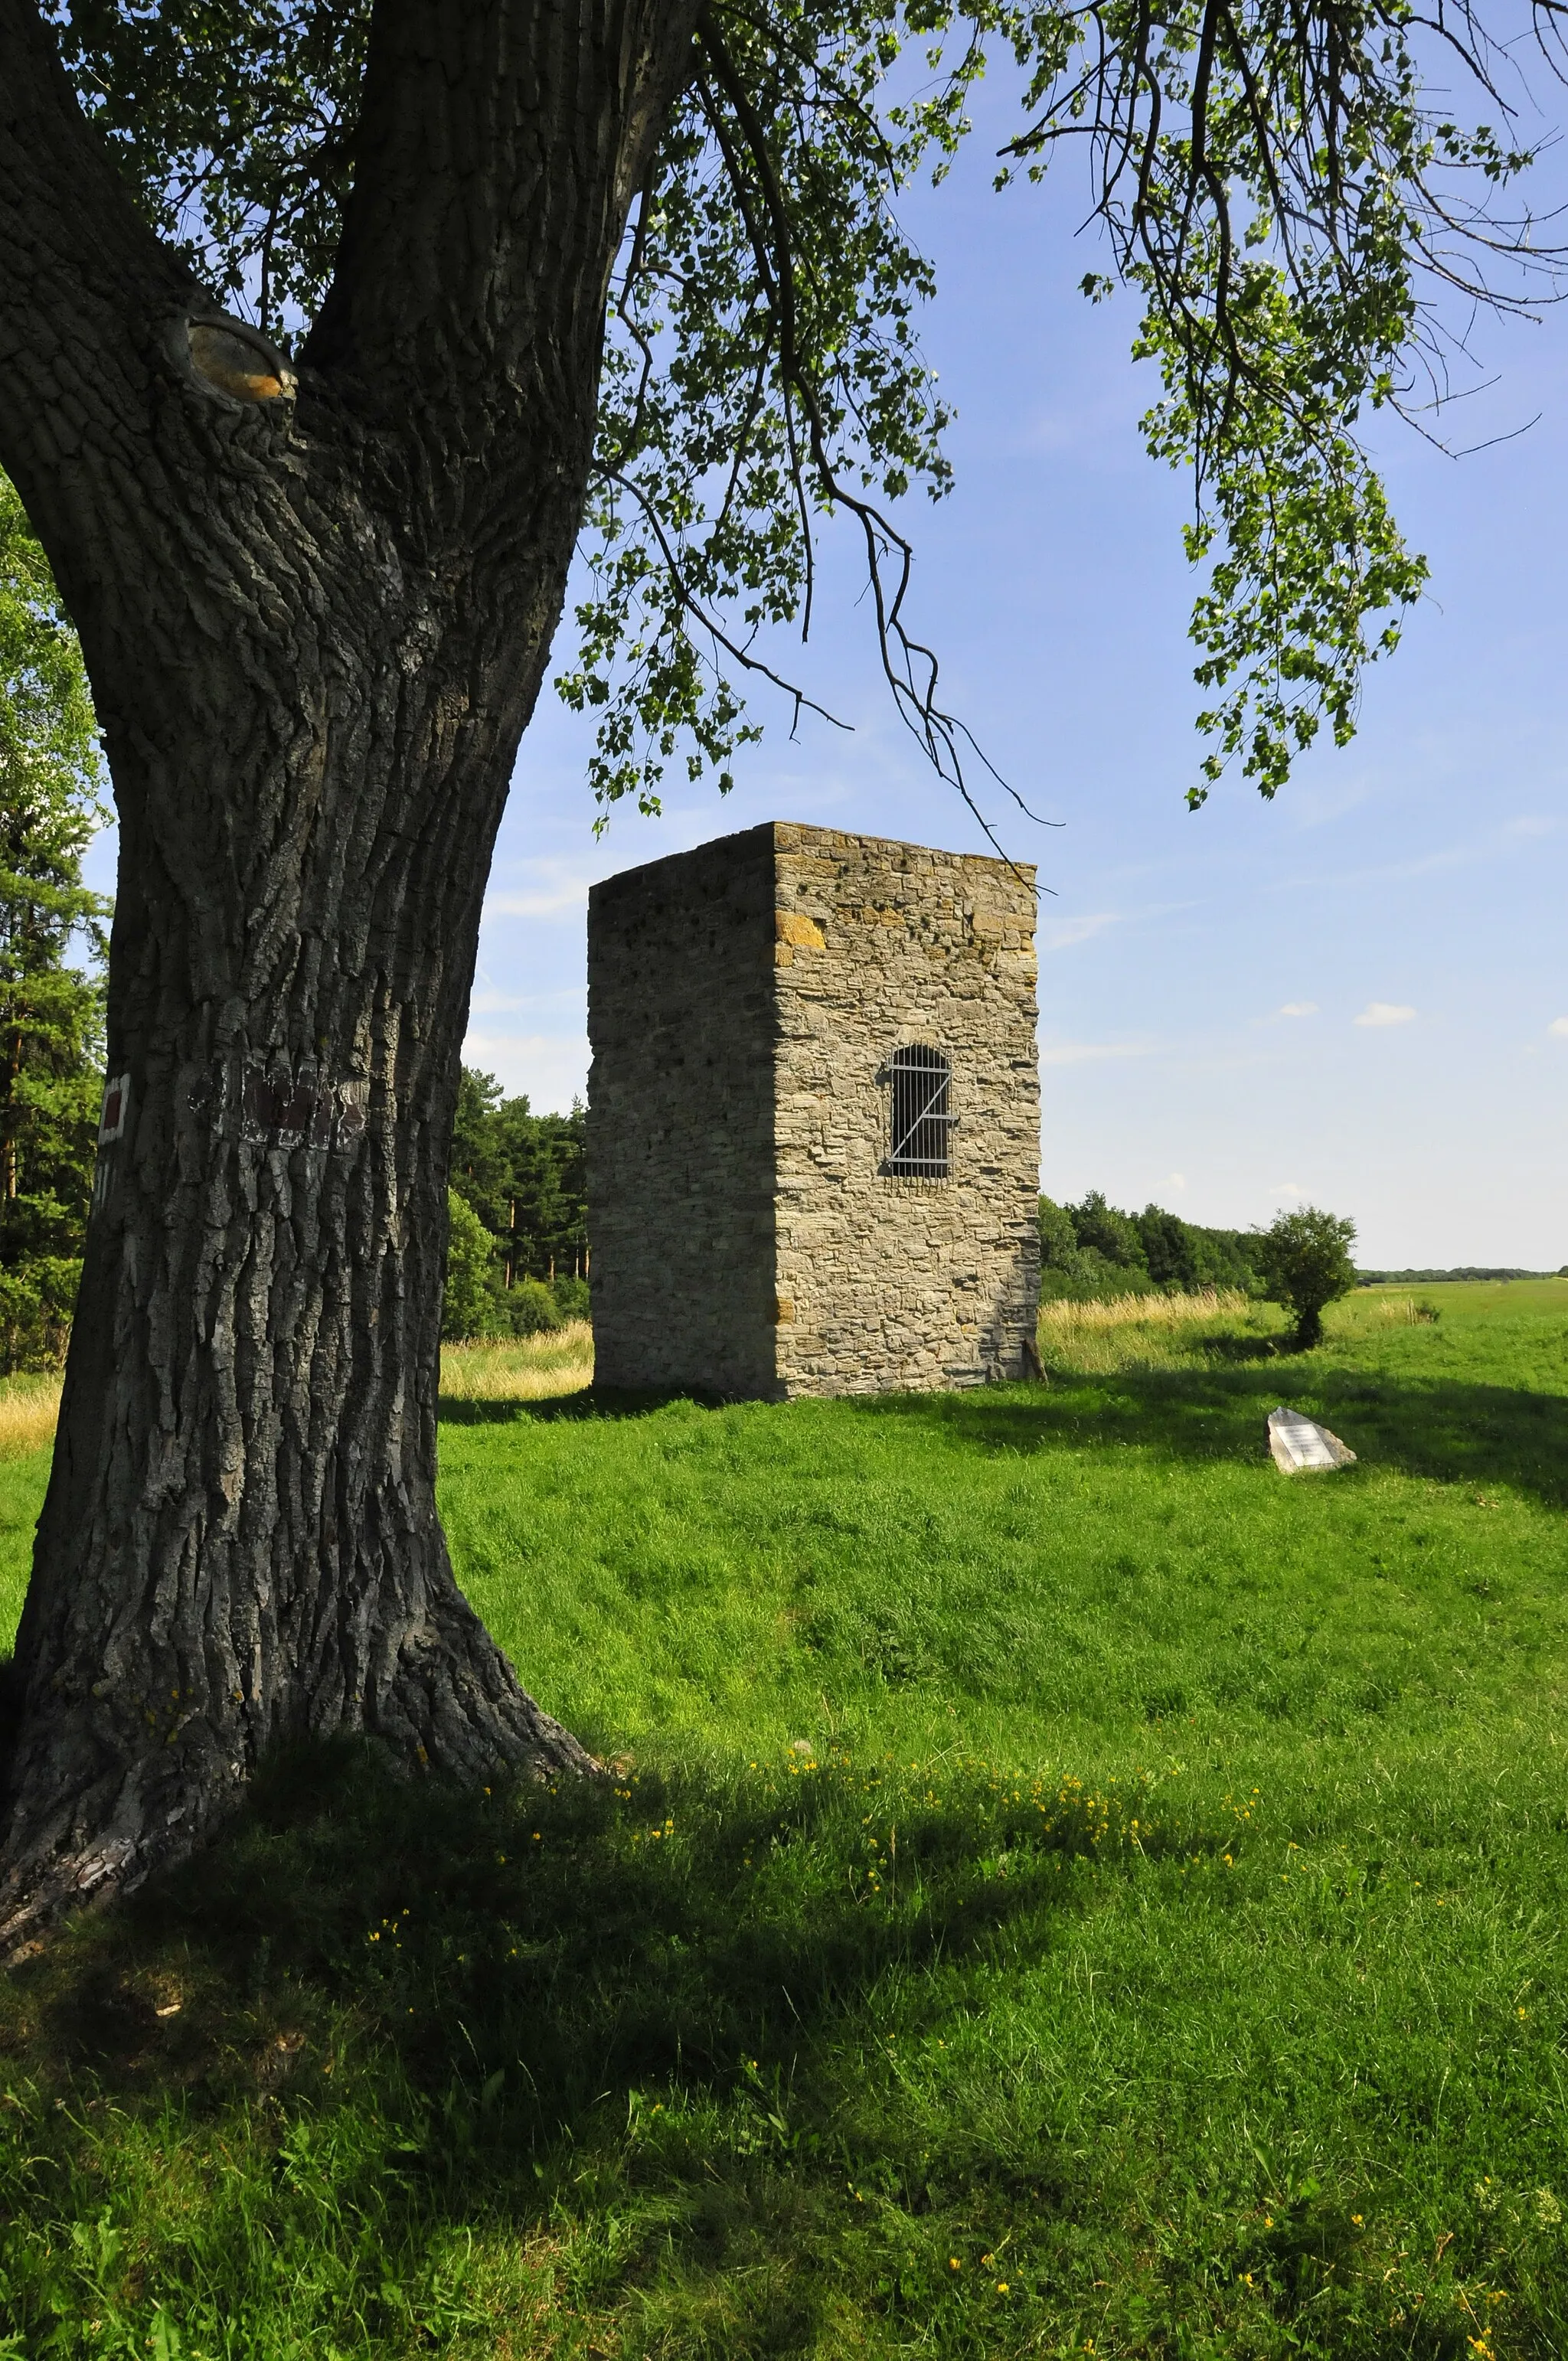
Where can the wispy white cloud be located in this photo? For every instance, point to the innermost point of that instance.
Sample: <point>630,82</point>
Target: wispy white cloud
<point>1384,1012</point>
<point>1062,937</point>
<point>1497,843</point>
<point>1288,1189</point>
<point>500,1003</point>
<point>1176,1180</point>
<point>1426,864</point>
<point>1079,1053</point>
<point>1298,1008</point>
<point>538,906</point>
<point>1558,1025</point>
<point>545,888</point>
<point>1319,805</point>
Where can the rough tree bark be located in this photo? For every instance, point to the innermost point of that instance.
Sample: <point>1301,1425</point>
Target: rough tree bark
<point>315,614</point>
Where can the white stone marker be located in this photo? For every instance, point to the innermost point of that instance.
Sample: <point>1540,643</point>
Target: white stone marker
<point>1300,1446</point>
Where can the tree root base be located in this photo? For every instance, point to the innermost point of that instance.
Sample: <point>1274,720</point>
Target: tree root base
<point>157,1812</point>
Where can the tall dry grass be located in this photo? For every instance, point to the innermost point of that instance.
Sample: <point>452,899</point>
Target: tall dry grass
<point>29,1407</point>
<point>1137,1331</point>
<point>1139,1310</point>
<point>524,1369</point>
<point>1406,1310</point>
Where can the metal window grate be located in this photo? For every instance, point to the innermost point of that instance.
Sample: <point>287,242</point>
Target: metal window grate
<point>920,1126</point>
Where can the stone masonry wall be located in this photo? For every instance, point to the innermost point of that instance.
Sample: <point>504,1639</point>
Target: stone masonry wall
<point>680,1154</point>
<point>744,1001</point>
<point>888,1282</point>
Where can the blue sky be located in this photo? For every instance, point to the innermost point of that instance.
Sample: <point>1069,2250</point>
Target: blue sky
<point>1349,995</point>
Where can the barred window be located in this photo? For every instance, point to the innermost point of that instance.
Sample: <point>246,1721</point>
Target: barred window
<point>919,1121</point>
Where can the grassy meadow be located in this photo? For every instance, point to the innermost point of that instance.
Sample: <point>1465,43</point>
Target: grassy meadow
<point>1062,1888</point>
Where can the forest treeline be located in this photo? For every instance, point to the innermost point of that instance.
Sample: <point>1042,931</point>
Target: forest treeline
<point>517,1206</point>
<point>1092,1251</point>
<point>1460,1270</point>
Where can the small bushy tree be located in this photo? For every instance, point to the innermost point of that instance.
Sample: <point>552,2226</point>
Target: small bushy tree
<point>465,1306</point>
<point>530,1308</point>
<point>1167,1242</point>
<point>1303,1259</point>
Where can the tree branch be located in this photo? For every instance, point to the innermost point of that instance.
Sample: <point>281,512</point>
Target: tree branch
<point>909,667</point>
<point>86,291</point>
<point>498,148</point>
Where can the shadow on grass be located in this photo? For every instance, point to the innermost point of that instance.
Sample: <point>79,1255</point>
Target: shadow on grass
<point>1223,1351</point>
<point>405,2010</point>
<point>633,2069</point>
<point>1441,1429</point>
<point>605,1932</point>
<point>588,1403</point>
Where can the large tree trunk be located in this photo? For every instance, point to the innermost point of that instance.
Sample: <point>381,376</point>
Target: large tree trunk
<point>315,628</point>
<point>240,1539</point>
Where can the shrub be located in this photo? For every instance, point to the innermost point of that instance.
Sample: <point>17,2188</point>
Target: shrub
<point>529,1307</point>
<point>466,1309</point>
<point>1303,1259</point>
<point>573,1300</point>
<point>1057,1238</point>
<point>1087,1278</point>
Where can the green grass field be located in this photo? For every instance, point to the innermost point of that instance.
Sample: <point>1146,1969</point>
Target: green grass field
<point>1065,1889</point>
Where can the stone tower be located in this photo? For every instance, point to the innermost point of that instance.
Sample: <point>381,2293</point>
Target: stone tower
<point>812,1117</point>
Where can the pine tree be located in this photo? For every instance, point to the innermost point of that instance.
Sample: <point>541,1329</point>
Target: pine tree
<point>524,1176</point>
<point>51,1023</point>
